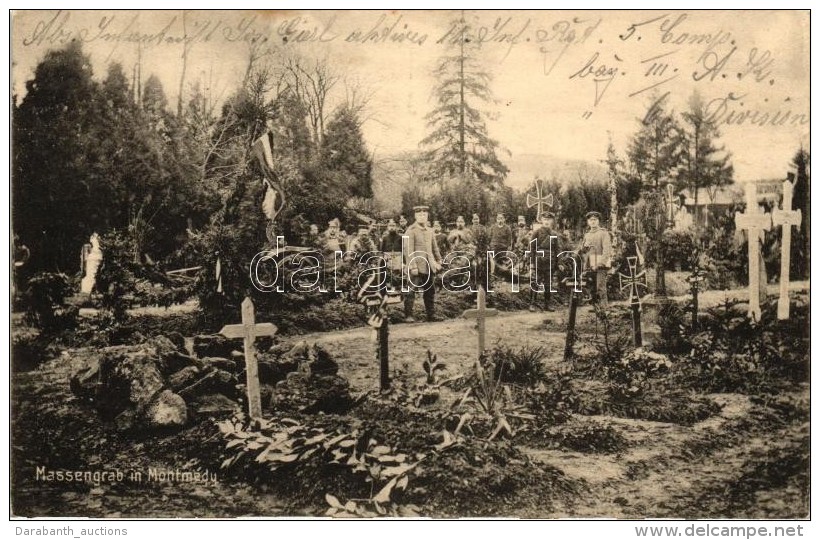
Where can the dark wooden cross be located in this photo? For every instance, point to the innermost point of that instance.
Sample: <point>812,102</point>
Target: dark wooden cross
<point>786,218</point>
<point>695,279</point>
<point>377,302</point>
<point>539,199</point>
<point>249,331</point>
<point>634,280</point>
<point>573,284</point>
<point>480,314</point>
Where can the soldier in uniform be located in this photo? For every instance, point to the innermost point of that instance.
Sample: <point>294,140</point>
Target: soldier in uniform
<point>549,241</point>
<point>390,245</point>
<point>501,239</point>
<point>596,249</point>
<point>423,259</point>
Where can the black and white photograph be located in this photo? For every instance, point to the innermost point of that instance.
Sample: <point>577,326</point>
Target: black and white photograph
<point>410,264</point>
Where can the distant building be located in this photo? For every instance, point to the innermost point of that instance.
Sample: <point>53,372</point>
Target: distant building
<point>769,193</point>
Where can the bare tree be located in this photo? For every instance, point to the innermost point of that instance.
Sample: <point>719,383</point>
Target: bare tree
<point>312,83</point>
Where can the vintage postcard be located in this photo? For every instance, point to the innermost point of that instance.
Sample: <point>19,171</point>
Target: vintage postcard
<point>391,264</point>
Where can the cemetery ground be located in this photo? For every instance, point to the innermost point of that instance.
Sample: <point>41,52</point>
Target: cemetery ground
<point>706,424</point>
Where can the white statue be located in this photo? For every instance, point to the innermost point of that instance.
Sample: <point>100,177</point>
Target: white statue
<point>92,264</point>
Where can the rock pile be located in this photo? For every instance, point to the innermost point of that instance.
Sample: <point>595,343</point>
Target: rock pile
<point>158,386</point>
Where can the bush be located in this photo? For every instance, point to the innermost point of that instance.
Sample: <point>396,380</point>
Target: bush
<point>674,328</point>
<point>47,310</point>
<point>520,365</point>
<point>678,248</point>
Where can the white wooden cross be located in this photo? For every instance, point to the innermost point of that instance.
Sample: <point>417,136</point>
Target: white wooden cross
<point>480,314</point>
<point>754,222</point>
<point>786,218</point>
<point>249,331</point>
<point>539,199</point>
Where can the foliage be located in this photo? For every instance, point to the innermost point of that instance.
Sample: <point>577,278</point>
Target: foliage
<point>431,368</point>
<point>88,159</point>
<point>459,143</point>
<point>553,400</point>
<point>282,444</point>
<point>46,308</point>
<point>733,353</point>
<point>704,165</point>
<point>630,377</point>
<point>520,365</point>
<point>800,255</point>
<point>654,151</point>
<point>591,437</point>
<point>674,328</point>
<point>678,247</point>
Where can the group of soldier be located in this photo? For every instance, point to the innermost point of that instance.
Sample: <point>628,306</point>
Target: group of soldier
<point>425,246</point>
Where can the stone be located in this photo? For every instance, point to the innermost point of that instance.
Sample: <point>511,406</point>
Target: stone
<point>179,341</point>
<point>221,363</point>
<point>216,381</point>
<point>85,382</point>
<point>128,380</point>
<point>214,345</point>
<point>184,377</point>
<point>213,405</point>
<point>167,410</point>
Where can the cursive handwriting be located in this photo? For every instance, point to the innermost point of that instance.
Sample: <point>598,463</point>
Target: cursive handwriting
<point>385,32</point>
<point>731,110</point>
<point>563,33</point>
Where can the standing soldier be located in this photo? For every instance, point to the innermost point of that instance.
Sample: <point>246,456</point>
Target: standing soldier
<point>549,242</point>
<point>423,260</point>
<point>390,245</point>
<point>597,251</point>
<point>501,239</point>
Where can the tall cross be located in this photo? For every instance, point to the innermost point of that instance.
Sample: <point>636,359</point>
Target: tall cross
<point>634,280</point>
<point>754,222</point>
<point>539,199</point>
<point>377,302</point>
<point>249,331</point>
<point>480,314</point>
<point>786,218</point>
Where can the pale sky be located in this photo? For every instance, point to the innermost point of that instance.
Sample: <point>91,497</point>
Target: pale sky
<point>562,80</point>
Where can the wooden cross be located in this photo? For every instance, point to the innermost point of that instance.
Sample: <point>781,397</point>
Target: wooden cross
<point>377,303</point>
<point>249,331</point>
<point>574,297</point>
<point>786,218</point>
<point>634,280</point>
<point>480,314</point>
<point>694,279</point>
<point>539,199</point>
<point>754,222</point>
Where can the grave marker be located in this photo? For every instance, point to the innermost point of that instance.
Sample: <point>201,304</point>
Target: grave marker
<point>786,218</point>
<point>754,222</point>
<point>539,199</point>
<point>634,280</point>
<point>480,314</point>
<point>574,298</point>
<point>377,303</point>
<point>249,331</point>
